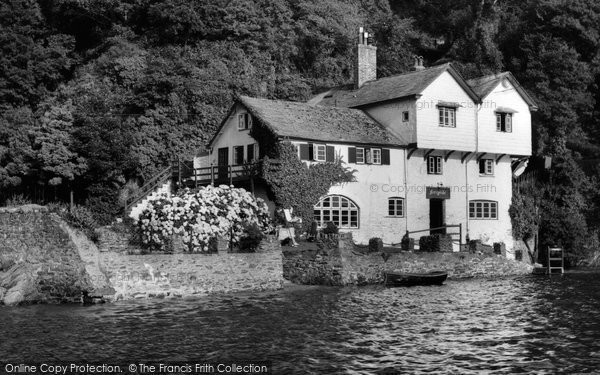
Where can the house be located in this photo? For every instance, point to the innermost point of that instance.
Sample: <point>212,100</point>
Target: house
<point>430,148</point>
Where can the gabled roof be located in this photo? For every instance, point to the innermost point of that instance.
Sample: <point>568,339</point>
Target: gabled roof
<point>483,86</point>
<point>318,123</point>
<point>390,88</point>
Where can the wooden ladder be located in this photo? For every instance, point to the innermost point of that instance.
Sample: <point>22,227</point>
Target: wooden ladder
<point>556,257</point>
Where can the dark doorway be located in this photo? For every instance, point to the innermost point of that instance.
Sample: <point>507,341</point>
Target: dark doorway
<point>223,162</point>
<point>436,215</point>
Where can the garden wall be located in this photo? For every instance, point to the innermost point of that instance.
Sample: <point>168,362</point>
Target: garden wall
<point>180,274</point>
<point>347,266</point>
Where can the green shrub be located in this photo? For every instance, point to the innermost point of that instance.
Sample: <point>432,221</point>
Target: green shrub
<point>330,228</point>
<point>375,245</point>
<point>17,200</point>
<point>250,241</point>
<point>83,219</point>
<point>430,243</point>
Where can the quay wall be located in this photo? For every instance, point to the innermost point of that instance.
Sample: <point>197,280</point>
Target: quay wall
<point>344,265</point>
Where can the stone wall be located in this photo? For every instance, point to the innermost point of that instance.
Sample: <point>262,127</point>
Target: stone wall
<point>188,275</point>
<point>43,260</point>
<point>347,266</point>
<point>38,260</point>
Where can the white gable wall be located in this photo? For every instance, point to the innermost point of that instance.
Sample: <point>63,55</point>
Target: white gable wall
<point>229,136</point>
<point>390,115</point>
<point>429,133</point>
<point>518,142</point>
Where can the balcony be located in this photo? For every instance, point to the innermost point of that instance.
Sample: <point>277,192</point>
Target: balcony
<point>186,175</point>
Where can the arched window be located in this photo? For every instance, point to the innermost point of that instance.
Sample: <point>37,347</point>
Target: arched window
<point>338,209</point>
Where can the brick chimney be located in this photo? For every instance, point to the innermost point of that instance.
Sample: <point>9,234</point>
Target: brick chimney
<point>365,68</point>
<point>418,63</point>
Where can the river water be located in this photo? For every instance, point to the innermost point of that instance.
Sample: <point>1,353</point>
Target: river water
<point>537,324</point>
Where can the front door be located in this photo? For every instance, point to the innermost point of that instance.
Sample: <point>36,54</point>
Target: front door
<point>223,162</point>
<point>436,215</point>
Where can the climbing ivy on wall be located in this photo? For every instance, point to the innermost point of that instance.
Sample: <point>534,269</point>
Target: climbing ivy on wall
<point>295,184</point>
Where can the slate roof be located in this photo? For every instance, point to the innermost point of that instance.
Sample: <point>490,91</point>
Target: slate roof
<point>486,84</point>
<point>389,88</point>
<point>319,123</point>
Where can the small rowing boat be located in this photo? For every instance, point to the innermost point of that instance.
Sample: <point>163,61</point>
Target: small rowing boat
<point>412,279</point>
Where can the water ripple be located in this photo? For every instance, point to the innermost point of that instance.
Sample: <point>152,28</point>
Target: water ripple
<point>536,325</point>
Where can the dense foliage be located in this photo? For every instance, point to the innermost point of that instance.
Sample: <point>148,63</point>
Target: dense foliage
<point>297,185</point>
<point>201,216</point>
<point>98,94</point>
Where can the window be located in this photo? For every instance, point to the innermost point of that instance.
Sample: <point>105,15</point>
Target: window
<point>360,155</point>
<point>244,121</point>
<point>376,155</point>
<point>396,207</point>
<point>405,116</point>
<point>238,155</point>
<point>504,122</point>
<point>447,117</point>
<point>338,209</point>
<point>250,153</point>
<point>434,165</point>
<point>320,154</point>
<point>486,167</point>
<point>483,210</point>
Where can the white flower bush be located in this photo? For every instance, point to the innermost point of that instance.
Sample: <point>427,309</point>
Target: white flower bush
<point>201,216</point>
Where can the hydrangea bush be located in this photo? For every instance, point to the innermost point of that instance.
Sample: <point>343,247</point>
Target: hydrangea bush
<point>201,215</point>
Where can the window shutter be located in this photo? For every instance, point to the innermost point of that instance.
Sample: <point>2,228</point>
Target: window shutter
<point>311,152</point>
<point>351,154</point>
<point>241,121</point>
<point>304,152</point>
<point>385,156</point>
<point>330,154</point>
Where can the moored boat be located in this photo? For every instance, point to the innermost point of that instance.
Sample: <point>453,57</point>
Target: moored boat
<point>412,279</point>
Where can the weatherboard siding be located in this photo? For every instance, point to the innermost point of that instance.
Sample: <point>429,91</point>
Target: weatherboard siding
<point>429,133</point>
<point>518,142</point>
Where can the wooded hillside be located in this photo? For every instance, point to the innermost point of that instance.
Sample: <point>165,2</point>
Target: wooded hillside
<point>96,93</point>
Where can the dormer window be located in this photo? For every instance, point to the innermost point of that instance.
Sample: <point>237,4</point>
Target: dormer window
<point>244,121</point>
<point>447,116</point>
<point>504,122</point>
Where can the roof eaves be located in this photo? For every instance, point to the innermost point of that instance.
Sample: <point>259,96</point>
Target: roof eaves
<point>229,113</point>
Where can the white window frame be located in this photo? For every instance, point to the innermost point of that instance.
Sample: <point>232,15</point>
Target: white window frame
<point>393,204</point>
<point>483,210</point>
<point>488,168</point>
<point>335,208</point>
<point>244,121</point>
<point>361,159</point>
<point>376,156</point>
<point>319,152</point>
<point>435,165</point>
<point>447,117</point>
<point>504,119</point>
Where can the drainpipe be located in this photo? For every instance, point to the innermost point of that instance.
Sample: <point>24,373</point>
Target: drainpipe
<point>405,193</point>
